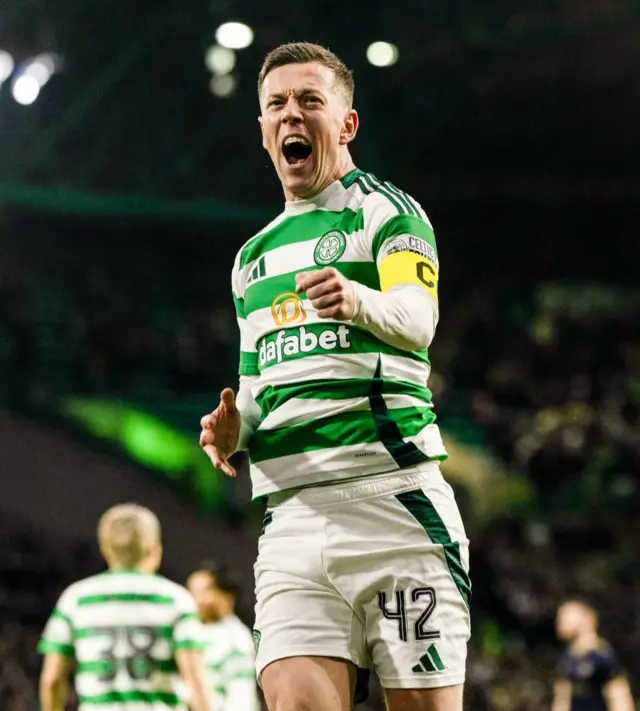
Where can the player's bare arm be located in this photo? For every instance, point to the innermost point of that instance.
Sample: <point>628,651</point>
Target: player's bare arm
<point>618,695</point>
<point>561,695</point>
<point>53,682</point>
<point>220,432</point>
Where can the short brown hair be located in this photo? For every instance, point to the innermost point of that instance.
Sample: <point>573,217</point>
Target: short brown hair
<point>302,53</point>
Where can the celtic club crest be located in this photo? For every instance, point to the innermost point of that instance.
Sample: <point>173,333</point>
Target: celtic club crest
<point>330,248</point>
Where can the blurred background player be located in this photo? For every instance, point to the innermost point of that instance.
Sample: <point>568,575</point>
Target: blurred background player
<point>229,652</point>
<point>132,633</point>
<point>590,677</point>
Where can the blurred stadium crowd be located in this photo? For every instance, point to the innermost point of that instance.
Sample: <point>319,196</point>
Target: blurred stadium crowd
<point>545,375</point>
<point>112,315</point>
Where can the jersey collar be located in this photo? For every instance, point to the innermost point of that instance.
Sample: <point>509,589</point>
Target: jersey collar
<point>317,202</point>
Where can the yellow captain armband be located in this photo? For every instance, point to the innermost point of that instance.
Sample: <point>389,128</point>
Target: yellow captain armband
<point>409,268</point>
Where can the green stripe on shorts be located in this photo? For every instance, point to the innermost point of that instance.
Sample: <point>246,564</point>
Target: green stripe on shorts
<point>268,517</point>
<point>420,507</point>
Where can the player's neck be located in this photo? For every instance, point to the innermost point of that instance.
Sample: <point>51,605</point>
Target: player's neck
<point>345,165</point>
<point>585,642</point>
<point>227,613</point>
<point>147,566</point>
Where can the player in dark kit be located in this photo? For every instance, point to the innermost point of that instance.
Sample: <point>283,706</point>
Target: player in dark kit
<point>590,677</point>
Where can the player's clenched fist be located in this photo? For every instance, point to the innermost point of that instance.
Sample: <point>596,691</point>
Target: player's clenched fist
<point>220,430</point>
<point>330,293</point>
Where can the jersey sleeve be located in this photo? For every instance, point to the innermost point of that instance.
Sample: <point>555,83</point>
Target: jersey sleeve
<point>187,630</point>
<point>402,241</point>
<point>57,636</point>
<point>608,666</point>
<point>248,353</point>
<point>563,667</point>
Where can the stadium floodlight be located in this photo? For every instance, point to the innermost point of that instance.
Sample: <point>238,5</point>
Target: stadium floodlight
<point>220,60</point>
<point>41,68</point>
<point>234,35</point>
<point>25,89</point>
<point>382,54</point>
<point>223,86</point>
<point>6,65</point>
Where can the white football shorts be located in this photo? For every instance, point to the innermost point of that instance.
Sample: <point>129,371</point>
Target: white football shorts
<point>374,571</point>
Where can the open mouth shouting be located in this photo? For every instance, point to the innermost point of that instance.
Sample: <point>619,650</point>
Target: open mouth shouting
<point>297,151</point>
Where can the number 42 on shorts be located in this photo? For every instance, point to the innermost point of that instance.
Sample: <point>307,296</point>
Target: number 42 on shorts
<point>400,613</point>
<point>430,661</point>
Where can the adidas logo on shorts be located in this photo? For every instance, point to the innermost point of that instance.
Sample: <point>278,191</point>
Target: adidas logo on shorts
<point>429,662</point>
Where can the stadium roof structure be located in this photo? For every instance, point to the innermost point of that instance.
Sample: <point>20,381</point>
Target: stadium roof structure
<point>534,98</point>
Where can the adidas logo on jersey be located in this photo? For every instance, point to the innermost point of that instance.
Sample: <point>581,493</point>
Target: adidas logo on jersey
<point>258,271</point>
<point>301,341</point>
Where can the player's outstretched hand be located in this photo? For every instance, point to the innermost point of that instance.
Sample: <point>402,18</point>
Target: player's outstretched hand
<point>220,430</point>
<point>330,293</point>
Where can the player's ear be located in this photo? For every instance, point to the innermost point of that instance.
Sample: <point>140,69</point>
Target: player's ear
<point>155,557</point>
<point>261,122</point>
<point>349,127</point>
<point>104,552</point>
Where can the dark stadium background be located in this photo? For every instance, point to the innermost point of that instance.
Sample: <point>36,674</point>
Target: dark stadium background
<point>127,186</point>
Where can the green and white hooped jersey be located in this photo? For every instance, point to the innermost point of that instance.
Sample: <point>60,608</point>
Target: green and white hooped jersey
<point>123,630</point>
<point>229,657</point>
<point>336,402</point>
